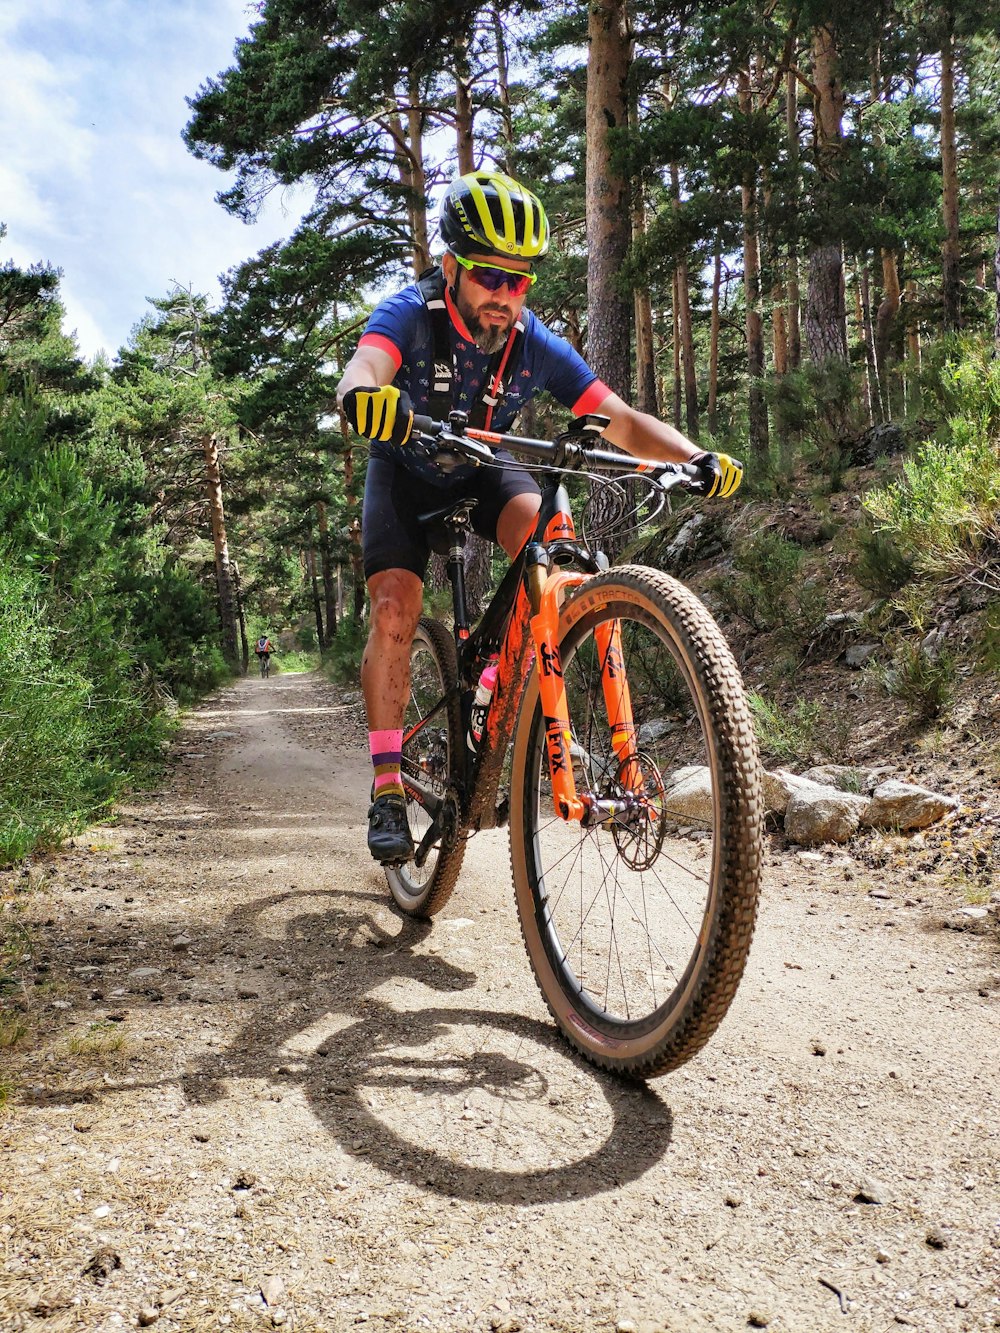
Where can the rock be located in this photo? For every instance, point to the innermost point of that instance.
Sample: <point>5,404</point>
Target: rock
<point>689,794</point>
<point>822,815</point>
<point>871,1191</point>
<point>903,806</point>
<point>140,977</point>
<point>244,1180</point>
<point>936,1239</point>
<point>840,776</point>
<point>685,539</point>
<point>272,1289</point>
<point>179,943</point>
<point>148,1315</point>
<point>975,920</point>
<point>858,655</point>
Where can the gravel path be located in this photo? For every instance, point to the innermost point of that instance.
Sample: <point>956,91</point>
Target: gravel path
<point>259,1097</point>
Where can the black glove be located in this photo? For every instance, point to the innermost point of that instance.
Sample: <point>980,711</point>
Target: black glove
<point>722,474</point>
<point>384,414</point>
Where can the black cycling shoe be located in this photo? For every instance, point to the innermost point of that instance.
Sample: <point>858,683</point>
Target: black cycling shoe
<point>389,838</point>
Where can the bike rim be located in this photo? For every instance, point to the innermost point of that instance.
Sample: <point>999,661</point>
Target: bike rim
<point>426,759</point>
<point>625,911</point>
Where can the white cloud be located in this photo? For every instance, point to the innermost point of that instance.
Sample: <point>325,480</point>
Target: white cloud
<point>94,176</point>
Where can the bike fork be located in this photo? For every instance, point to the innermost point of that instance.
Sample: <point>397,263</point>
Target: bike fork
<point>570,804</point>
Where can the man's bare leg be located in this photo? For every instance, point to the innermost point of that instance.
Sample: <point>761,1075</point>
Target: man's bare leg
<point>517,522</point>
<point>396,603</point>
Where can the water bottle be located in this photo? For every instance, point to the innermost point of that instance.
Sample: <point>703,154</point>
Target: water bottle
<point>481,703</point>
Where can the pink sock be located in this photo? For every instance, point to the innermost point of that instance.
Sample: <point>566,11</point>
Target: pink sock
<point>386,749</point>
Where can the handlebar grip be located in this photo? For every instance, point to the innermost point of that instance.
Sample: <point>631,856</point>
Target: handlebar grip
<point>426,425</point>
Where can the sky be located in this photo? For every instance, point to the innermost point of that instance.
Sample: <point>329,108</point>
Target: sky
<point>94,176</point>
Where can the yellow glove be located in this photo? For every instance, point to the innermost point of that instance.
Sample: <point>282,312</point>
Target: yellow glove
<point>722,475</point>
<point>384,414</point>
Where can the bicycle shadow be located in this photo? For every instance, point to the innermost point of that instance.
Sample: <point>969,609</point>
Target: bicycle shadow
<point>472,1103</point>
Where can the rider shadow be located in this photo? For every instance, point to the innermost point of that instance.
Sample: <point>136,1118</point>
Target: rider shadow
<point>476,1104</point>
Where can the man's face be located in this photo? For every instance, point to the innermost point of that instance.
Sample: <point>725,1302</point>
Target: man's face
<point>489,315</point>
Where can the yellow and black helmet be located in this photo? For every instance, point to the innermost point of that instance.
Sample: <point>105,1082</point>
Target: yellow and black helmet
<point>486,212</point>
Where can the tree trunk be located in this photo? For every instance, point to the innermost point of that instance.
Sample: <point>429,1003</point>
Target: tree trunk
<point>507,156</point>
<point>410,169</point>
<point>792,267</point>
<point>912,385</point>
<point>886,323</point>
<point>826,320</point>
<point>686,330</point>
<point>608,212</point>
<point>463,107</point>
<point>223,571</point>
<point>326,567</point>
<point>950,254</point>
<point>713,356</point>
<point>996,278</point>
<point>241,617</point>
<point>645,362</point>
<point>826,317</point>
<point>751,288</point>
<point>310,563</point>
<point>675,302</point>
<point>873,396</point>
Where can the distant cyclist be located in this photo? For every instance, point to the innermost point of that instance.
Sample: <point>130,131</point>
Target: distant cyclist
<point>264,649</point>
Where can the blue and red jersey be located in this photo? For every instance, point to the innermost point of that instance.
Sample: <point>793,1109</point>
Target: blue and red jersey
<point>401,326</point>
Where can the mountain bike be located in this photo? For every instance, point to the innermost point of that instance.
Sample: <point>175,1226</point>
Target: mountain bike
<point>265,665</point>
<point>618,746</point>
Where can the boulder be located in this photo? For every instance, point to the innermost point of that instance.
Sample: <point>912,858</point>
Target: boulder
<point>688,794</point>
<point>903,806</point>
<point>823,814</point>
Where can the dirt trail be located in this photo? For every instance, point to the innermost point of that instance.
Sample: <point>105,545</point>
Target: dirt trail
<point>252,1073</point>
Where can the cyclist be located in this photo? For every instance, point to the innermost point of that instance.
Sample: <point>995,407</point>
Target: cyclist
<point>263,649</point>
<point>460,337</point>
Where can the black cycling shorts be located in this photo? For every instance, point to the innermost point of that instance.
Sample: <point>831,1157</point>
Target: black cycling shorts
<point>390,534</point>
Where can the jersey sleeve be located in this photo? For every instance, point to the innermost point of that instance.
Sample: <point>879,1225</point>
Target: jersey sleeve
<point>392,325</point>
<point>562,371</point>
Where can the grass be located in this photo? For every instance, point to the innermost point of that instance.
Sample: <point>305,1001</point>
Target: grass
<point>101,1038</point>
<point>789,734</point>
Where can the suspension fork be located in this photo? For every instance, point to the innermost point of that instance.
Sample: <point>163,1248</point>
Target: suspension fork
<point>569,803</point>
<point>552,690</point>
<point>618,702</point>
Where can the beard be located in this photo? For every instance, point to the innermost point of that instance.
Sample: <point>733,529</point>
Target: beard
<point>489,338</point>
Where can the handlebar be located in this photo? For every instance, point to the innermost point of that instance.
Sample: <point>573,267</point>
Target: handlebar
<point>453,443</point>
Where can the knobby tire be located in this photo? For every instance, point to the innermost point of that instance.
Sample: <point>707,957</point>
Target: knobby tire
<point>638,931</point>
<point>430,757</point>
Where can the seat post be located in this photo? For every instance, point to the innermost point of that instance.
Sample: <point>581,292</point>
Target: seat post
<point>456,577</point>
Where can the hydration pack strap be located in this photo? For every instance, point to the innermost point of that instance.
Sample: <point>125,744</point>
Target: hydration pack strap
<point>445,373</point>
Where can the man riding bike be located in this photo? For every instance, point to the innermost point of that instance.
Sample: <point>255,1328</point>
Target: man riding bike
<point>263,649</point>
<point>461,338</point>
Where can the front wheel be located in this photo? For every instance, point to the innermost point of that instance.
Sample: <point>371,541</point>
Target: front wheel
<point>431,748</point>
<point>638,928</point>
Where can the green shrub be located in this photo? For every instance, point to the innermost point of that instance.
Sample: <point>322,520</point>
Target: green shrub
<point>879,565</point>
<point>944,512</point>
<point>342,658</point>
<point>767,589</point>
<point>788,734</point>
<point>922,680</point>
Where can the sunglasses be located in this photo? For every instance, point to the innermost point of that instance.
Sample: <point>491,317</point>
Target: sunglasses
<point>493,278</point>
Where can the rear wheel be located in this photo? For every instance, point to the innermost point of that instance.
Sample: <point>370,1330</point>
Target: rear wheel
<point>431,742</point>
<point>638,929</point>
